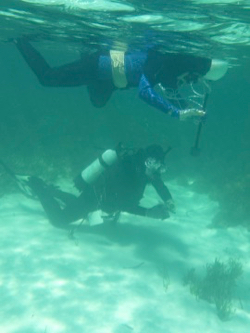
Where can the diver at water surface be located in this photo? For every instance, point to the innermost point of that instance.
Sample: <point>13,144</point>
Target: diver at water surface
<point>115,182</point>
<point>103,73</point>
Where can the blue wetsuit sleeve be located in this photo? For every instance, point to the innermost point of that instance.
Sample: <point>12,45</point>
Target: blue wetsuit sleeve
<point>150,96</point>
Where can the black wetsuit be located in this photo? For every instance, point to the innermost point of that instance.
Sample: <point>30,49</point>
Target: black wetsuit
<point>142,70</point>
<point>119,188</point>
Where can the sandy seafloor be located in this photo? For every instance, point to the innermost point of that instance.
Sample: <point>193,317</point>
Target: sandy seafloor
<point>110,279</point>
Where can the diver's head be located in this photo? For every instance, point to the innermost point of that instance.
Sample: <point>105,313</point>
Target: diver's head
<point>178,69</point>
<point>217,70</point>
<point>154,160</point>
<point>183,79</point>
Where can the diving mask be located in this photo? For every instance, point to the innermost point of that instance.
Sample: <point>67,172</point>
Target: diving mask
<point>153,166</point>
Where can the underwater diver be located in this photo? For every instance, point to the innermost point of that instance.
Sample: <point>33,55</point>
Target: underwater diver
<point>104,73</point>
<point>113,183</point>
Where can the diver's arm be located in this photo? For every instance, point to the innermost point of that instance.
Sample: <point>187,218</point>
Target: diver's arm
<point>149,95</point>
<point>136,210</point>
<point>156,212</point>
<point>161,188</point>
<point>163,193</point>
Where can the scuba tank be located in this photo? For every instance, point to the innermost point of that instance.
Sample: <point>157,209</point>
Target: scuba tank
<point>96,168</point>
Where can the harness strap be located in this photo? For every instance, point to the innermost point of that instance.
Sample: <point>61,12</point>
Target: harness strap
<point>103,163</point>
<point>118,68</point>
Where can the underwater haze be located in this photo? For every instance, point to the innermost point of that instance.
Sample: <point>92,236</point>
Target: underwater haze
<point>141,275</point>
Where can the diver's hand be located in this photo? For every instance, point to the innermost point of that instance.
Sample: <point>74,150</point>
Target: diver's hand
<point>193,114</point>
<point>170,206</point>
<point>158,212</point>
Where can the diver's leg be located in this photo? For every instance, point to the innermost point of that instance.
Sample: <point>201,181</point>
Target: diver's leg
<point>58,217</point>
<point>77,73</point>
<point>65,197</point>
<point>100,92</point>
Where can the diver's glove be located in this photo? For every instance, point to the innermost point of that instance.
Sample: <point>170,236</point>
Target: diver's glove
<point>193,114</point>
<point>170,206</point>
<point>159,211</point>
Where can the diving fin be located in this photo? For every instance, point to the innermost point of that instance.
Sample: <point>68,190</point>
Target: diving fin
<point>21,181</point>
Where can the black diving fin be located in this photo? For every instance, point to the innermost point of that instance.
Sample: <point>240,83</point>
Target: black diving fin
<point>21,181</point>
